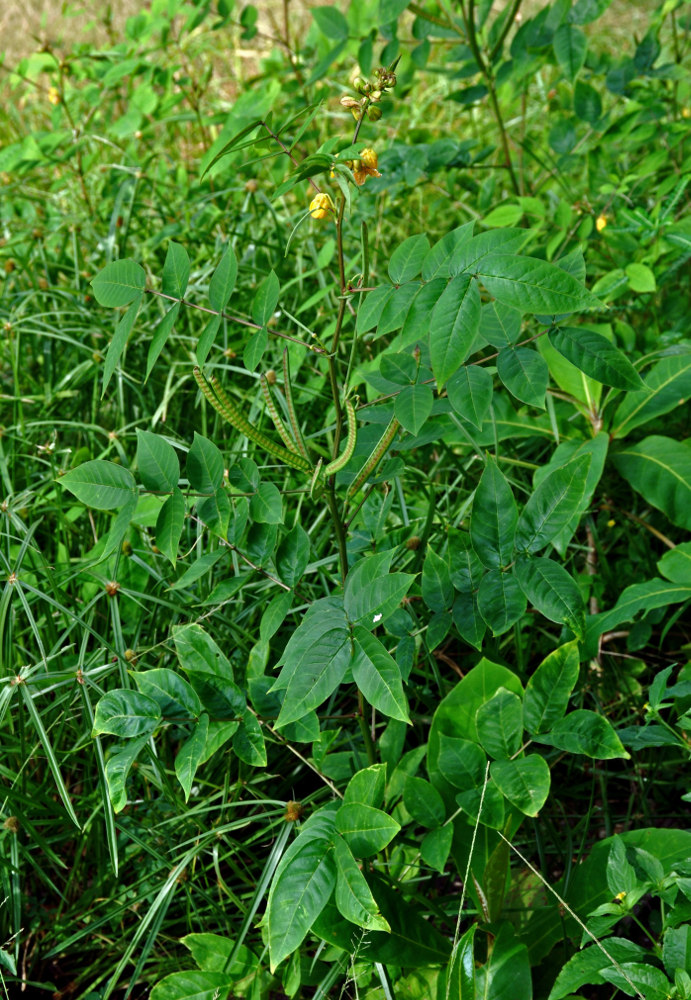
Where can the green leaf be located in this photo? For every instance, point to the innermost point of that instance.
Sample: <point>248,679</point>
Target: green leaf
<point>367,786</point>
<point>248,741</point>
<point>292,555</point>
<point>413,942</point>
<point>398,368</point>
<point>500,600</point>
<point>453,326</point>
<point>174,696</point>
<point>566,452</point>
<point>353,896</point>
<point>223,280</point>
<point>214,512</point>
<point>274,615</point>
<point>468,620</point>
<point>500,724</point>
<point>587,103</point>
<point>118,767</point>
<point>437,588</point>
<point>176,271</point>
<point>583,968</point>
<point>437,260</point>
<point>378,676</point>
<point>331,22</point>
<point>266,506</point>
<point>468,255</point>
<point>255,348</point>
<point>638,597</point>
<point>371,307</point>
<point>493,518</point>
<point>193,985</point>
<point>302,885</point>
<point>407,259</point>
<point>593,354</point>
<point>198,653</point>
<point>648,981</point>
<point>460,761</point>
<point>265,300</point>
<point>641,278</point>
<point>525,782</point>
<point>126,714</point>
<point>315,661</point>
<point>412,407</point>
<point>435,847</point>
<point>585,732</point>
<point>191,754</point>
<point>548,691</point>
<point>506,975</point>
<point>675,564</point>
<point>570,47</point>
<point>371,592</point>
<point>100,484</point>
<point>366,830</point>
<point>119,283</point>
<point>524,373</point>
<point>159,468</point>
<point>160,337</point>
<point>484,805</point>
<point>659,468</point>
<point>169,525</point>
<point>470,393</point>
<point>198,568</point>
<point>391,10</point>
<point>204,465</point>
<point>667,386</point>
<point>119,342</point>
<point>553,591</point>
<point>460,974</point>
<point>534,286</point>
<point>396,309</point>
<point>423,802</point>
<point>500,325</point>
<point>206,340</point>
<point>552,506</point>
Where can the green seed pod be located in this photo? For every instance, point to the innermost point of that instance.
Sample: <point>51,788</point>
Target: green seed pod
<point>344,458</point>
<point>374,459</point>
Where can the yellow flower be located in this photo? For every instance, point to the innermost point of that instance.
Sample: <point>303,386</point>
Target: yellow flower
<point>53,96</point>
<point>611,523</point>
<point>366,166</point>
<point>321,205</point>
<point>600,223</point>
<point>686,112</point>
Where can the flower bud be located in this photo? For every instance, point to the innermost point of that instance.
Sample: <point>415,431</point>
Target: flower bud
<point>321,205</point>
<point>374,114</point>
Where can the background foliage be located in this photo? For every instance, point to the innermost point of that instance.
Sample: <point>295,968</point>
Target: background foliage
<point>346,495</point>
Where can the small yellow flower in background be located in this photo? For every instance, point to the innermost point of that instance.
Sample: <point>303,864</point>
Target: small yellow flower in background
<point>611,523</point>
<point>366,166</point>
<point>321,205</point>
<point>53,96</point>
<point>600,223</point>
<point>686,112</point>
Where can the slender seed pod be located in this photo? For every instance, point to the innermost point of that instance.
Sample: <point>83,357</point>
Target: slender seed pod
<point>216,395</point>
<point>374,459</point>
<point>273,413</point>
<point>315,484</point>
<point>292,416</point>
<point>346,455</point>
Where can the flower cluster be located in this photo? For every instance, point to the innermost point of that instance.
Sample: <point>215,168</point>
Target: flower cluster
<point>372,92</point>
